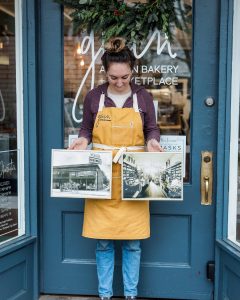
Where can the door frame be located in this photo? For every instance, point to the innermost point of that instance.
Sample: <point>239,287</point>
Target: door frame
<point>227,275</point>
<point>20,255</point>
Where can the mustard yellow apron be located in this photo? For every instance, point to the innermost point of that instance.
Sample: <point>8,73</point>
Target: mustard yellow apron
<point>117,219</point>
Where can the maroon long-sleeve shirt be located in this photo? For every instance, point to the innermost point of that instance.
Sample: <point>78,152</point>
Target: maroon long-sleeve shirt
<point>145,105</point>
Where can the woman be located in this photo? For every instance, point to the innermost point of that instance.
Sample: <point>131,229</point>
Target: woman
<point>118,114</point>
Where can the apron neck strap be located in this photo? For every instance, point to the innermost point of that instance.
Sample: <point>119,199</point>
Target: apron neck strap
<point>135,103</point>
<point>101,102</point>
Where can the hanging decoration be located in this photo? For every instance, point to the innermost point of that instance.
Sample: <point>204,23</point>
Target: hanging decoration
<point>128,19</point>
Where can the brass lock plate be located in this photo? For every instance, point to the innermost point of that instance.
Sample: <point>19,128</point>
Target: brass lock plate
<point>206,177</point>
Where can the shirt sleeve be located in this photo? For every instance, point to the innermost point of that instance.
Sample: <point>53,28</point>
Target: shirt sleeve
<point>87,122</point>
<point>150,128</point>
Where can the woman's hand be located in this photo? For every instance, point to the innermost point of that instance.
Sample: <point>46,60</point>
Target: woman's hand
<point>79,144</point>
<point>154,146</point>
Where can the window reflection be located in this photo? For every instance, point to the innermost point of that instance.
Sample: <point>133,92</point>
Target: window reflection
<point>9,218</point>
<point>164,69</point>
<point>7,77</point>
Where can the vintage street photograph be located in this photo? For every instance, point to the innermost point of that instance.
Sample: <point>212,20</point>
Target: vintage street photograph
<point>152,176</point>
<point>81,174</point>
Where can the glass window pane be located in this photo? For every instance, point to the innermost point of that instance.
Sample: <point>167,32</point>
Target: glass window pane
<point>238,187</point>
<point>234,161</point>
<point>163,68</point>
<point>11,151</point>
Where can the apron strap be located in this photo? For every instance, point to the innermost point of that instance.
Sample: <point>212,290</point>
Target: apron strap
<point>101,102</point>
<point>135,103</point>
<point>118,155</point>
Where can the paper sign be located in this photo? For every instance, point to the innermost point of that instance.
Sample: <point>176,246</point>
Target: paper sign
<point>173,143</point>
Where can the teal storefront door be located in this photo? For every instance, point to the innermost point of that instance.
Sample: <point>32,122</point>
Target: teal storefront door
<point>175,258</point>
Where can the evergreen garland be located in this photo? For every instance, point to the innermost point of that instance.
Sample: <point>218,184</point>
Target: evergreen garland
<point>109,18</point>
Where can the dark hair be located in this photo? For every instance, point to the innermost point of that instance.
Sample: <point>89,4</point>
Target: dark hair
<point>116,51</point>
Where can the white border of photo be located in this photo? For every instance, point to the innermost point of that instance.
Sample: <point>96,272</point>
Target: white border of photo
<point>152,159</point>
<point>67,158</point>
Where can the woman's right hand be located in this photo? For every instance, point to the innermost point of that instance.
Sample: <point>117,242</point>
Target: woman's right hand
<point>79,144</point>
<point>154,146</point>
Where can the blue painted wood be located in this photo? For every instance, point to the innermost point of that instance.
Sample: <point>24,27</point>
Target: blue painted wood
<point>225,70</point>
<point>11,246</point>
<point>16,275</point>
<point>182,241</point>
<point>229,272</point>
<point>230,248</point>
<point>30,141</point>
<point>18,258</point>
<point>227,275</point>
<point>30,115</point>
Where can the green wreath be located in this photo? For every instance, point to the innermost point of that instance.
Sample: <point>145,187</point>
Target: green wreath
<point>133,21</point>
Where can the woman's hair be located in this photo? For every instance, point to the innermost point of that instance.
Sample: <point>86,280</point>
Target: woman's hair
<point>116,51</point>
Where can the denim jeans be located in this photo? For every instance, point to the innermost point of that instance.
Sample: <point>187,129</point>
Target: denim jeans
<point>131,254</point>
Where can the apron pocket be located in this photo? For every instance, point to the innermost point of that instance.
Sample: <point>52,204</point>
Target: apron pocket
<point>122,134</point>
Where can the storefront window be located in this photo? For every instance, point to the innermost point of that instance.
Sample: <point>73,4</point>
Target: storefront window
<point>234,162</point>
<point>238,189</point>
<point>163,68</point>
<point>11,129</point>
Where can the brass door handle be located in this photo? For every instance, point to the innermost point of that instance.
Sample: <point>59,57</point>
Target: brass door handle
<point>206,177</point>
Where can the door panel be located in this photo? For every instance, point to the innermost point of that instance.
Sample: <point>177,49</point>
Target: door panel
<point>174,259</point>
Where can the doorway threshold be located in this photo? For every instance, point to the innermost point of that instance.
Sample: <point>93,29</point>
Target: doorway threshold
<point>69,297</point>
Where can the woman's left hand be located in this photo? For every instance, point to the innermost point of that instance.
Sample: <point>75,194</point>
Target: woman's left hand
<point>154,146</point>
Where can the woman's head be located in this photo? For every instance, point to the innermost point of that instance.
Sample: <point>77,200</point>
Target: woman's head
<point>118,62</point>
<point>116,51</point>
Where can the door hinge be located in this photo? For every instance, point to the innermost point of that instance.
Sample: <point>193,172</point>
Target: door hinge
<point>211,270</point>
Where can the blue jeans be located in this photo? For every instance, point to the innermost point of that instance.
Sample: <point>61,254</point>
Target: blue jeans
<point>131,254</point>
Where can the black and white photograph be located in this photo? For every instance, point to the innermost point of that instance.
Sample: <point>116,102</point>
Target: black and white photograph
<point>152,176</point>
<point>81,174</point>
